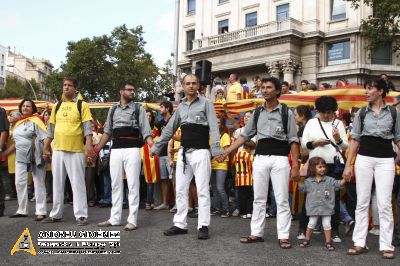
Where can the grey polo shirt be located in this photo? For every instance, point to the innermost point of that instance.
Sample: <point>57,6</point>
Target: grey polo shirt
<point>270,125</point>
<point>376,125</point>
<point>320,195</point>
<point>125,117</point>
<point>23,138</point>
<point>201,111</point>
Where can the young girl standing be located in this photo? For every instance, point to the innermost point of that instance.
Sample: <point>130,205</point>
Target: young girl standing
<point>320,200</point>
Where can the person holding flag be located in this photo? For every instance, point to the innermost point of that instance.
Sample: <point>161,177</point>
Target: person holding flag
<point>28,135</point>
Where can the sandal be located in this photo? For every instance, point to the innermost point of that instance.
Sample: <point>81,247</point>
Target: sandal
<point>249,239</point>
<point>357,250</point>
<point>284,244</point>
<point>40,217</point>
<point>305,244</point>
<point>388,254</point>
<point>329,246</point>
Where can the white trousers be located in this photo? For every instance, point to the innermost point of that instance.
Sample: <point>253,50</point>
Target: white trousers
<point>125,162</point>
<point>21,185</point>
<point>72,164</point>
<point>276,168</point>
<point>366,169</point>
<point>198,164</point>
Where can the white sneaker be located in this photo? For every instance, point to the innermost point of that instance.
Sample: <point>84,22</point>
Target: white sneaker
<point>7,197</point>
<point>161,207</point>
<point>235,213</point>
<point>33,199</point>
<point>301,236</point>
<point>173,209</point>
<point>374,231</point>
<point>244,216</point>
<point>336,239</point>
<point>248,216</point>
<point>267,215</point>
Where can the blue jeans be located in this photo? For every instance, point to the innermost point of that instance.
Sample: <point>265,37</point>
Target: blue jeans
<point>107,187</point>
<point>344,215</point>
<point>150,193</point>
<point>218,187</point>
<point>272,207</point>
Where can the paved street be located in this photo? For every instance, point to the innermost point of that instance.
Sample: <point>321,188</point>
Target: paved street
<point>148,246</point>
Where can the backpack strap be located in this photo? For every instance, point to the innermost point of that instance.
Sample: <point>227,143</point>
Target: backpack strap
<point>393,113</point>
<point>363,112</point>
<point>78,103</point>
<point>257,115</point>
<point>285,117</point>
<point>113,108</point>
<point>58,105</point>
<point>137,111</point>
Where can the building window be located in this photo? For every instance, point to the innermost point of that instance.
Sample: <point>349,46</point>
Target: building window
<point>191,7</point>
<point>339,53</point>
<point>382,55</point>
<point>251,19</point>
<point>223,26</point>
<point>222,1</point>
<point>282,12</point>
<point>2,58</point>
<point>2,71</point>
<point>189,40</point>
<point>338,9</point>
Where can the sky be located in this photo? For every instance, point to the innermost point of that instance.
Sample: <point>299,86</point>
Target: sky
<point>42,28</point>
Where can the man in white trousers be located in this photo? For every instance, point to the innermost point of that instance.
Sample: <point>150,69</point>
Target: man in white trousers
<point>128,126</point>
<point>70,123</point>
<point>276,132</point>
<point>196,117</point>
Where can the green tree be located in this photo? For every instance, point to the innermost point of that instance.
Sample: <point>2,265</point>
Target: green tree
<point>101,63</point>
<point>16,88</point>
<point>382,27</point>
<point>164,79</point>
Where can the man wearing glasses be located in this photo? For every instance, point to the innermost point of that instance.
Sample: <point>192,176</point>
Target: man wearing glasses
<point>197,119</point>
<point>126,125</point>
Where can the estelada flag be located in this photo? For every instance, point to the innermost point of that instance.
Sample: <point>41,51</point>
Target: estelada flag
<point>151,165</point>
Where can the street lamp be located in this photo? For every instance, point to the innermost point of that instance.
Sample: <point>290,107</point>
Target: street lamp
<point>13,66</point>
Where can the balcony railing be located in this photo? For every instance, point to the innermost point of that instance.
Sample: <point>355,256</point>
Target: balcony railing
<point>256,31</point>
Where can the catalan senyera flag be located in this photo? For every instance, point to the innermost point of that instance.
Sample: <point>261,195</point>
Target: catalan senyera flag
<point>151,165</point>
<point>244,168</point>
<point>35,118</point>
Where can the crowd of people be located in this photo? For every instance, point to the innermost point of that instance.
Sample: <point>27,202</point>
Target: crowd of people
<point>196,162</point>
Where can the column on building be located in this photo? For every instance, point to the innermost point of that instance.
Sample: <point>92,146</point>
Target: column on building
<point>274,68</point>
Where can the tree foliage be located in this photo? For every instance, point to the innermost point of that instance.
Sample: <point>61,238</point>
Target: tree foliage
<point>16,88</point>
<point>102,62</point>
<point>382,27</point>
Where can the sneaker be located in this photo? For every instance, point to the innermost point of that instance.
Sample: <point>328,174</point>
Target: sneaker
<point>248,216</point>
<point>225,214</point>
<point>173,209</point>
<point>215,212</point>
<point>105,205</point>
<point>349,227</point>
<point>161,207</point>
<point>203,233</point>
<point>336,238</point>
<point>174,230</point>
<point>148,207</point>
<point>244,216</point>
<point>130,227</point>
<point>301,236</point>
<point>7,197</point>
<point>194,213</point>
<point>104,224</point>
<point>235,213</point>
<point>374,231</point>
<point>51,220</point>
<point>190,209</point>
<point>82,221</point>
<point>33,199</point>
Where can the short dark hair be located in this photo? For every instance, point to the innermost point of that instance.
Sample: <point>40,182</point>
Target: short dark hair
<point>34,108</point>
<point>153,118</point>
<point>326,85</point>
<point>305,81</point>
<point>243,80</point>
<point>256,77</point>
<point>312,165</point>
<point>304,110</point>
<point>276,83</point>
<point>122,85</point>
<point>285,83</point>
<point>346,117</point>
<point>168,105</point>
<point>73,80</point>
<point>380,84</point>
<point>326,103</point>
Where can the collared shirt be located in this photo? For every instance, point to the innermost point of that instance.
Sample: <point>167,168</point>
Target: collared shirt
<point>270,125</point>
<point>200,111</point>
<point>23,137</point>
<point>320,195</point>
<point>376,125</point>
<point>233,91</point>
<point>125,117</point>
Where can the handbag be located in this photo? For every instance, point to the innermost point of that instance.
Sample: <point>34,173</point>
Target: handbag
<point>338,165</point>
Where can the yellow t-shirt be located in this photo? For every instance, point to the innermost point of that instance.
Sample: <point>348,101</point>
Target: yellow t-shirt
<point>68,131</point>
<point>233,90</point>
<point>220,100</point>
<point>224,142</point>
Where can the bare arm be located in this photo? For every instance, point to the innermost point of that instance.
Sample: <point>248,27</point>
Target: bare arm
<point>353,148</point>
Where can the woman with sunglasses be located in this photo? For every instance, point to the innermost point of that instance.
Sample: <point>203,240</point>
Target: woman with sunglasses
<point>325,136</point>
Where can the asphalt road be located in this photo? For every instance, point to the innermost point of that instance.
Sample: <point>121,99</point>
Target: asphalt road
<point>148,245</point>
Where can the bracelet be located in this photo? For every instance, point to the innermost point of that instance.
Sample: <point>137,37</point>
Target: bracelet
<point>339,142</point>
